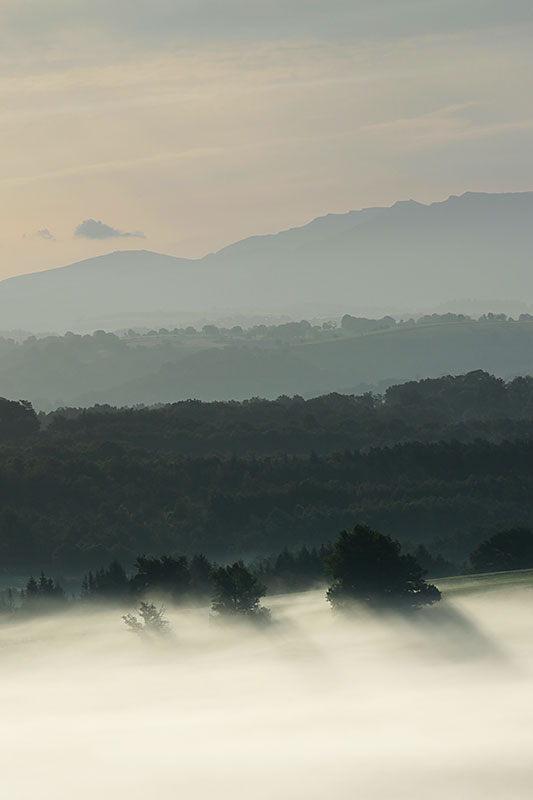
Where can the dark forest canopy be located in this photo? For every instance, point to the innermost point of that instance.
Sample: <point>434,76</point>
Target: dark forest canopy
<point>18,420</point>
<point>462,408</point>
<point>75,506</point>
<point>439,464</point>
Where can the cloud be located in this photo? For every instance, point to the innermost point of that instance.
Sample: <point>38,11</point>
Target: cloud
<point>42,233</point>
<point>96,229</point>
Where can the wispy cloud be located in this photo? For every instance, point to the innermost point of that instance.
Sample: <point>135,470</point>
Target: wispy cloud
<point>42,233</point>
<point>109,166</point>
<point>442,126</point>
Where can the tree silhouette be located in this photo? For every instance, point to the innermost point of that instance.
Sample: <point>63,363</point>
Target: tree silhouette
<point>153,620</point>
<point>369,567</point>
<point>236,590</point>
<point>166,574</point>
<point>44,594</point>
<point>505,550</point>
<point>200,576</point>
<point>18,420</point>
<point>110,584</point>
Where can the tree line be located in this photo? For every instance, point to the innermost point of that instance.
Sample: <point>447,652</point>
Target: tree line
<point>463,408</point>
<point>365,565</point>
<point>459,408</point>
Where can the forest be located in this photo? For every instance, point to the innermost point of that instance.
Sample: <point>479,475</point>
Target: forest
<point>73,506</point>
<point>460,408</point>
<point>438,463</point>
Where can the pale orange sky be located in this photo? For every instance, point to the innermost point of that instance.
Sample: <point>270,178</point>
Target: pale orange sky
<point>198,127</point>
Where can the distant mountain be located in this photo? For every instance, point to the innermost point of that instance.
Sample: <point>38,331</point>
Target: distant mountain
<point>409,256</point>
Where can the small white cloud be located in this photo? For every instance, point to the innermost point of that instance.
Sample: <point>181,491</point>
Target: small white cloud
<point>96,229</point>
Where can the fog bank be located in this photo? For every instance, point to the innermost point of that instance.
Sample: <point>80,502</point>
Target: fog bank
<point>314,706</point>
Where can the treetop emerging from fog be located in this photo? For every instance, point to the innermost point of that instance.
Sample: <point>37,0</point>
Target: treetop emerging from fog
<point>369,567</point>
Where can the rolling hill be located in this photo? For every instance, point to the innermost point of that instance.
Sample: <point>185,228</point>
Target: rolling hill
<point>103,368</point>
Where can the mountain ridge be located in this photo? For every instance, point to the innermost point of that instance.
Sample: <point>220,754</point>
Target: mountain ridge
<point>409,254</point>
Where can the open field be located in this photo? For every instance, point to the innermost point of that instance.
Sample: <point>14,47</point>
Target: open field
<point>486,582</point>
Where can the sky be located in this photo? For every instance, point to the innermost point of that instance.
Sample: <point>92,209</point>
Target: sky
<point>181,126</point>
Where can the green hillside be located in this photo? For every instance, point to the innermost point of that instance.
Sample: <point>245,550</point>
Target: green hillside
<point>291,359</point>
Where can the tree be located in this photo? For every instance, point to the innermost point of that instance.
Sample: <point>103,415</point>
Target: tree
<point>210,330</point>
<point>166,574</point>
<point>32,589</point>
<point>43,595</point>
<point>505,550</point>
<point>200,576</point>
<point>369,567</point>
<point>237,591</point>
<point>435,565</point>
<point>111,583</point>
<point>18,420</point>
<point>153,620</point>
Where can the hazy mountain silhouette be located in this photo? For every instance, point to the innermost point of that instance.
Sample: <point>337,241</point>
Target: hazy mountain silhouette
<point>409,255</point>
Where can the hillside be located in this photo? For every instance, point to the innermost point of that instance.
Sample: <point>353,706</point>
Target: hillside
<point>235,365</point>
<point>399,258</point>
<point>338,364</point>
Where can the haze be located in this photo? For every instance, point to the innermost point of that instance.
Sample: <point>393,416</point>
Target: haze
<point>266,323</point>
<point>317,705</point>
<point>183,127</point>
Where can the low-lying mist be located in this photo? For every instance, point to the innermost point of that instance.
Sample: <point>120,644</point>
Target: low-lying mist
<point>315,705</point>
